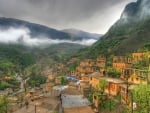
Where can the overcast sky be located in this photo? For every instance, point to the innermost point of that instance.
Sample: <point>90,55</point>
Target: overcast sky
<point>90,15</point>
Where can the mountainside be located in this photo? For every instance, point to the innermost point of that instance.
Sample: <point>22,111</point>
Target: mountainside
<point>24,44</point>
<point>37,30</point>
<point>83,34</point>
<point>128,34</point>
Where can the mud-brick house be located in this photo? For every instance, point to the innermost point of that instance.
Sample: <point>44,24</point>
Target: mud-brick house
<point>94,79</point>
<point>84,70</point>
<point>121,62</point>
<point>138,56</point>
<point>101,63</point>
<point>84,88</point>
<point>133,77</point>
<point>86,67</point>
<point>139,76</point>
<point>87,62</point>
<point>136,76</point>
<point>98,99</point>
<point>85,78</point>
<point>113,87</point>
<point>125,93</point>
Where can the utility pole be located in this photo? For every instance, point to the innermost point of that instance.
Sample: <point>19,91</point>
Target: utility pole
<point>109,98</point>
<point>147,100</point>
<point>131,102</point>
<point>127,83</point>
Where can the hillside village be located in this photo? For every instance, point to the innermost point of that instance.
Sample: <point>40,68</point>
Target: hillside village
<point>92,73</point>
<point>97,86</point>
<point>47,70</point>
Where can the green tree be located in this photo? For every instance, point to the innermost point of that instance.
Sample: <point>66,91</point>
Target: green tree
<point>141,96</point>
<point>63,80</point>
<point>112,72</point>
<point>3,85</point>
<point>36,78</point>
<point>6,66</point>
<point>102,85</point>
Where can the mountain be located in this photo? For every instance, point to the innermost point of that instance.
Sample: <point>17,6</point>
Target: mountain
<point>128,34</point>
<point>83,34</point>
<point>136,11</point>
<point>24,44</point>
<point>37,30</point>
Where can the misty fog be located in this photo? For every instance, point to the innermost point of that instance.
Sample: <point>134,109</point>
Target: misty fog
<point>22,36</point>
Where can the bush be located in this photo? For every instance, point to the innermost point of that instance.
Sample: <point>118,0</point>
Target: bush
<point>112,72</point>
<point>36,80</point>
<point>63,80</point>
<point>3,85</point>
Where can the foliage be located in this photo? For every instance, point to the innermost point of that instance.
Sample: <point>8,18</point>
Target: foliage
<point>63,80</point>
<point>3,85</point>
<point>126,110</point>
<point>142,64</point>
<point>14,58</point>
<point>73,66</point>
<point>3,104</point>
<point>110,60</point>
<point>112,72</point>
<point>6,67</point>
<point>36,78</point>
<point>141,96</point>
<point>12,81</point>
<point>147,45</point>
<point>109,105</point>
<point>55,112</point>
<point>118,97</point>
<point>26,60</point>
<point>102,85</point>
<point>90,96</point>
<point>120,38</point>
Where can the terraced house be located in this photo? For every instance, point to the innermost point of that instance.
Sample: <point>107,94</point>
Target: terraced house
<point>134,69</point>
<point>89,66</point>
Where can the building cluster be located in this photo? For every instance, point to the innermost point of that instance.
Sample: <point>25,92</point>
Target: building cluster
<point>89,66</point>
<point>90,74</point>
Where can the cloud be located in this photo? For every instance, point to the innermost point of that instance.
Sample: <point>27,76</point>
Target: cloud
<point>22,36</point>
<point>89,15</point>
<point>145,6</point>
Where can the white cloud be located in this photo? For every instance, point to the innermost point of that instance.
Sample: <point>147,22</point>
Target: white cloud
<point>22,36</point>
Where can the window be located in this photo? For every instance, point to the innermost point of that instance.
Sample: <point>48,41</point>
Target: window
<point>137,79</point>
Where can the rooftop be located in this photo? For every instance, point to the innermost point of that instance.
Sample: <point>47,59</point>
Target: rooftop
<point>85,109</point>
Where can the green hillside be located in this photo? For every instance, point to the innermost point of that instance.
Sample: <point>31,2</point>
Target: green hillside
<point>127,35</point>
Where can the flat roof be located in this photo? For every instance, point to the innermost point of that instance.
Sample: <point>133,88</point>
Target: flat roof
<point>96,75</point>
<point>130,86</point>
<point>85,109</point>
<point>113,80</point>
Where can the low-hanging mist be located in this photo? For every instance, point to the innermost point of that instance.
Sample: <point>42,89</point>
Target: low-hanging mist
<point>22,36</point>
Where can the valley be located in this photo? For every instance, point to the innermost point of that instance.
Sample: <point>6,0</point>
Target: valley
<point>45,70</point>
